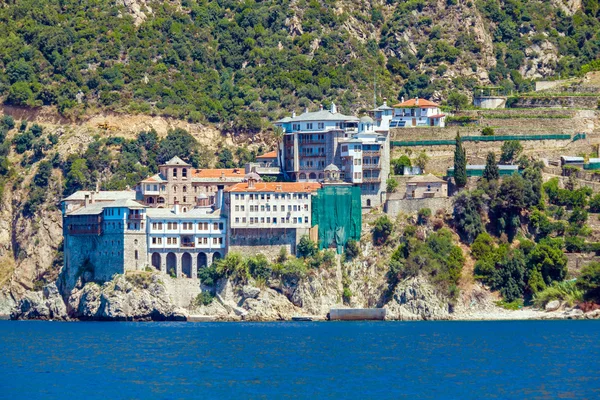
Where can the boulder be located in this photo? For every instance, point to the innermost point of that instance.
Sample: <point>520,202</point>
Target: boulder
<point>415,299</point>
<point>250,292</point>
<point>553,305</point>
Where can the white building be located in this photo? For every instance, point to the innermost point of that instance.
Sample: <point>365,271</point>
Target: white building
<point>181,242</point>
<point>265,216</point>
<point>417,113</point>
<point>314,140</point>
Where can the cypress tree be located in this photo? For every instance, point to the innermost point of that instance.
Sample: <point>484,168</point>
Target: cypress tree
<point>460,163</point>
<point>491,171</point>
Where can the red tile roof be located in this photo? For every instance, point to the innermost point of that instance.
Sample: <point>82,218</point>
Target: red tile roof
<point>437,116</point>
<point>422,103</point>
<point>279,187</point>
<point>270,154</point>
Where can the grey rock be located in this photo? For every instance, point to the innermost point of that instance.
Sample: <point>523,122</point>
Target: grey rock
<point>250,292</point>
<point>416,299</point>
<point>553,305</point>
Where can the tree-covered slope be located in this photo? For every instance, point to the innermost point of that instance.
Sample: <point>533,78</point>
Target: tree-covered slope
<point>241,62</point>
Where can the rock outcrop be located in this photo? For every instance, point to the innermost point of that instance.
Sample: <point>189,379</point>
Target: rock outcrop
<point>47,304</point>
<point>415,299</point>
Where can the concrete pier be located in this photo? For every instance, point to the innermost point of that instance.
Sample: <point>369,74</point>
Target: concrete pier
<point>357,314</point>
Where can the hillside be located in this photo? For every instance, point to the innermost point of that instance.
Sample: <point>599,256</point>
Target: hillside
<point>239,64</point>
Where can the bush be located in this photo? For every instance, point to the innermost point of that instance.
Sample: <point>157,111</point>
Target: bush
<point>204,299</point>
<point>8,122</point>
<point>382,230</point>
<point>391,185</point>
<point>566,291</point>
<point>258,267</point>
<point>352,249</point>
<point>487,131</point>
<point>589,281</point>
<point>306,247</point>
<point>423,216</point>
<point>209,276</point>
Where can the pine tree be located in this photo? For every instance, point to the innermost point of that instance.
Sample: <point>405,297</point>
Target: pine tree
<point>460,163</point>
<point>491,171</point>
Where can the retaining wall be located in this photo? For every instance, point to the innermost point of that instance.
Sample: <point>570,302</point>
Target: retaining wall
<point>396,204</point>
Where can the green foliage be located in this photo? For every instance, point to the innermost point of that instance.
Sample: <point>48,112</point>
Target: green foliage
<point>423,216</point>
<point>382,230</point>
<point>483,246</point>
<point>594,203</point>
<point>177,143</point>
<point>468,207</point>
<point>421,160</point>
<point>460,163</point>
<point>510,151</point>
<point>487,131</point>
<point>352,249</point>
<point>208,275</point>
<point>491,171</point>
<point>512,305</point>
<point>565,291</point>
<point>205,298</point>
<point>306,247</point>
<point>233,265</point>
<point>398,164</point>
<point>391,185</point>
<point>589,281</point>
<point>258,267</point>
<point>457,100</point>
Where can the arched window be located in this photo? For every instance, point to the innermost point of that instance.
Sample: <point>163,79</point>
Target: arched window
<point>302,176</point>
<point>184,172</point>
<point>368,202</point>
<point>174,189</point>
<point>161,200</point>
<point>184,199</point>
<point>150,200</point>
<point>312,175</point>
<point>174,172</point>
<point>184,189</point>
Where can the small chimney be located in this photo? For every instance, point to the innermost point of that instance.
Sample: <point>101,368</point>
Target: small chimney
<point>278,187</point>
<point>305,110</point>
<point>251,183</point>
<point>86,200</point>
<point>294,114</point>
<point>176,209</point>
<point>92,200</point>
<point>222,175</point>
<point>385,101</point>
<point>333,108</point>
<point>416,101</point>
<point>402,99</point>
<point>320,107</point>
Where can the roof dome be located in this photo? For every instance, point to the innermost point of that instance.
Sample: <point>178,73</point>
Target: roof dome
<point>366,119</point>
<point>253,176</point>
<point>331,167</point>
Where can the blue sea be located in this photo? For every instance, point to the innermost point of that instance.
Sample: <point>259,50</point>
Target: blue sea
<point>350,360</point>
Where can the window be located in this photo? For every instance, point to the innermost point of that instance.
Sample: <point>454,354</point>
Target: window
<point>306,220</point>
<point>185,189</point>
<point>243,208</point>
<point>309,125</point>
<point>321,125</point>
<point>154,225</point>
<point>262,220</point>
<point>243,220</point>
<point>215,226</point>
<point>274,220</point>
<point>154,240</point>
<point>237,196</point>
<point>237,220</point>
<point>136,254</point>
<point>237,208</point>
<point>184,174</point>
<point>220,225</point>
<point>174,172</point>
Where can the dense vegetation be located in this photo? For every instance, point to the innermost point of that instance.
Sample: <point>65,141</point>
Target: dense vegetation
<point>239,62</point>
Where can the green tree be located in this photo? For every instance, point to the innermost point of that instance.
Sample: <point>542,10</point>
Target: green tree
<point>391,185</point>
<point>457,100</point>
<point>178,142</point>
<point>422,160</point>
<point>487,131</point>
<point>460,163</point>
<point>550,261</point>
<point>589,281</point>
<point>19,94</point>
<point>510,151</point>
<point>306,247</point>
<point>43,174</point>
<point>77,177</point>
<point>468,207</point>
<point>491,171</point>
<point>398,164</point>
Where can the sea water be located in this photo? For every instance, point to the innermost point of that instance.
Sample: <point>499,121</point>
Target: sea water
<point>383,360</point>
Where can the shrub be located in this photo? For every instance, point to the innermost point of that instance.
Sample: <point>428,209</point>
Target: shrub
<point>352,249</point>
<point>234,265</point>
<point>258,267</point>
<point>204,299</point>
<point>423,216</point>
<point>382,229</point>
<point>566,291</point>
<point>8,122</point>
<point>208,275</point>
<point>391,185</point>
<point>487,131</point>
<point>306,247</point>
<point>589,281</point>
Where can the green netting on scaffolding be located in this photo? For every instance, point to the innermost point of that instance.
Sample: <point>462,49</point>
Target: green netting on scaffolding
<point>338,213</point>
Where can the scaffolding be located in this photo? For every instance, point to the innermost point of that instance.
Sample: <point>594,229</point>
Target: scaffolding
<point>337,212</point>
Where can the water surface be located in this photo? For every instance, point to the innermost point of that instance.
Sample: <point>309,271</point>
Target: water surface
<point>509,359</point>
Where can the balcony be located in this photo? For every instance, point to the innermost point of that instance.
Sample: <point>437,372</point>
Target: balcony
<point>188,245</point>
<point>136,217</point>
<point>371,179</point>
<point>83,230</point>
<point>313,155</point>
<point>371,153</point>
<point>371,166</point>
